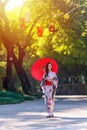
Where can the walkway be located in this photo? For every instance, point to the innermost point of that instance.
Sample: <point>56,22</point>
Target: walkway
<point>70,114</point>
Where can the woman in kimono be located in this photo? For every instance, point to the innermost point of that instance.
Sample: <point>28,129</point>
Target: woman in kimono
<point>49,85</point>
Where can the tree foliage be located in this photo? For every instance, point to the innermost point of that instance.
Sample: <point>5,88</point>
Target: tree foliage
<point>66,42</point>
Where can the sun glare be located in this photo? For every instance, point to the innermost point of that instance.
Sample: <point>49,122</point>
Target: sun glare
<point>13,4</point>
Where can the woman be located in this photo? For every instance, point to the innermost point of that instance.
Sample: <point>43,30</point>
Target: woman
<point>49,85</point>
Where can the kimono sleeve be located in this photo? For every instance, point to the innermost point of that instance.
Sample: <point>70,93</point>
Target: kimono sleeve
<point>55,80</point>
<point>42,84</point>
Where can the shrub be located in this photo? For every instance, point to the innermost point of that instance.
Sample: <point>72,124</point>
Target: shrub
<point>7,97</point>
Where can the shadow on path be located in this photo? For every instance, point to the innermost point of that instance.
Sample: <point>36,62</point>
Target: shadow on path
<point>70,114</point>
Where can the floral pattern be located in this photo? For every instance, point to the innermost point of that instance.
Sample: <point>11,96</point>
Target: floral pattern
<point>49,90</point>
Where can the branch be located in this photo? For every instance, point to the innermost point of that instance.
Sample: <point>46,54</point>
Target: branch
<point>4,19</point>
<point>4,2</point>
<point>75,8</point>
<point>36,20</point>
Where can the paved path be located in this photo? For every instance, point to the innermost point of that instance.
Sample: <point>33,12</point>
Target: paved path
<point>70,114</point>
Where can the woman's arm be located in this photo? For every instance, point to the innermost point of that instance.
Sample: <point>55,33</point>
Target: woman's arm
<point>42,84</point>
<point>55,80</point>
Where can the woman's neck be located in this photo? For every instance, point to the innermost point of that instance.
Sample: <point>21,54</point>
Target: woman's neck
<point>50,70</point>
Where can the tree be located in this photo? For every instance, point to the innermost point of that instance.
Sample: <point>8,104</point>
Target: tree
<point>68,43</point>
<point>64,27</point>
<point>9,43</point>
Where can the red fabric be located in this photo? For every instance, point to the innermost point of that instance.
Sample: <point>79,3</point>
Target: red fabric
<point>48,83</point>
<point>38,68</point>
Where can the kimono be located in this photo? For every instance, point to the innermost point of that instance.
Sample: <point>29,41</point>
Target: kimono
<point>49,89</point>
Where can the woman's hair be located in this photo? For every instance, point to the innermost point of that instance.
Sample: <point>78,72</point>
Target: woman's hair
<point>46,69</point>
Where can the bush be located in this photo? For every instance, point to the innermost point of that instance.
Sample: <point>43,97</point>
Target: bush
<point>7,97</point>
<point>38,95</point>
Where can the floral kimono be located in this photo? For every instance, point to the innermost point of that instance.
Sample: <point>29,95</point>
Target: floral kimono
<point>49,89</point>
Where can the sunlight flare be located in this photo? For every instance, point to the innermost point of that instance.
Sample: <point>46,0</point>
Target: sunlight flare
<point>13,4</point>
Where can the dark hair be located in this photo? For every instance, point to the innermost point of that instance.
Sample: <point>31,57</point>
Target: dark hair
<point>46,69</point>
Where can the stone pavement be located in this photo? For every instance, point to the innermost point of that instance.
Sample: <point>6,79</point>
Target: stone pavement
<point>70,114</point>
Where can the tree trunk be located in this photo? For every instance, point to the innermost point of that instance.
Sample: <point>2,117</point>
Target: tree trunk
<point>7,39</point>
<point>8,83</point>
<point>22,74</point>
<point>12,59</point>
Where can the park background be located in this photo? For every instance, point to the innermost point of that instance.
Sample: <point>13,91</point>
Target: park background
<point>34,29</point>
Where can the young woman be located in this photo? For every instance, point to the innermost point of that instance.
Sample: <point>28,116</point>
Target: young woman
<point>49,85</point>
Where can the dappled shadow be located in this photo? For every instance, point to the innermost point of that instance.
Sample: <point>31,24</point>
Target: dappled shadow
<point>70,113</point>
<point>37,121</point>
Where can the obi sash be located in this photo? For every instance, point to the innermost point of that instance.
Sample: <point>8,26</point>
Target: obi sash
<point>48,83</point>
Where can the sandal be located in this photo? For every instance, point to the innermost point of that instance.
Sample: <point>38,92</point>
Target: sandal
<point>50,116</point>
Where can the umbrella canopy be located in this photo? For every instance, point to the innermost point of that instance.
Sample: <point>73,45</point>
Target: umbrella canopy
<point>38,68</point>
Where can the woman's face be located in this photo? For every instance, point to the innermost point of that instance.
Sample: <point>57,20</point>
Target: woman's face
<point>49,67</point>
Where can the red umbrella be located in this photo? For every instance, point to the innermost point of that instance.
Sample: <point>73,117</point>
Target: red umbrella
<point>38,68</point>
